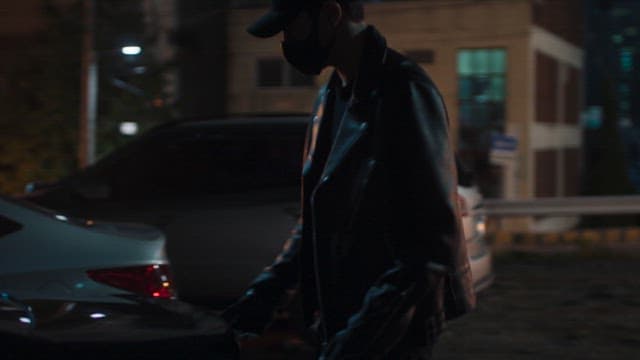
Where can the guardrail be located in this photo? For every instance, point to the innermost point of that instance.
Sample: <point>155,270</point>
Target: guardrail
<point>562,206</point>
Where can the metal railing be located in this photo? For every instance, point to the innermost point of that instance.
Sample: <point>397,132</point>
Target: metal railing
<point>562,206</point>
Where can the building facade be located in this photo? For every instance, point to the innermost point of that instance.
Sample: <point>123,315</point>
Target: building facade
<point>613,83</point>
<point>509,70</point>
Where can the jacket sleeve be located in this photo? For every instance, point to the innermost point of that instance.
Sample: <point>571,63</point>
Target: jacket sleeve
<point>423,222</point>
<point>254,310</point>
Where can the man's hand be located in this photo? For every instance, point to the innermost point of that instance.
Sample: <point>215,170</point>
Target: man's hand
<point>248,314</point>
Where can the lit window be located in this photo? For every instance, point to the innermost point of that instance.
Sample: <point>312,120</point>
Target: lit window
<point>626,59</point>
<point>481,110</point>
<point>617,38</point>
<point>481,87</point>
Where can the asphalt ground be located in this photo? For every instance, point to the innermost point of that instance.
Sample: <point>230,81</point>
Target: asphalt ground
<point>576,304</point>
<point>545,303</point>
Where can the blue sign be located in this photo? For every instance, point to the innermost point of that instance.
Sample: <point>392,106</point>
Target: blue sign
<point>502,142</point>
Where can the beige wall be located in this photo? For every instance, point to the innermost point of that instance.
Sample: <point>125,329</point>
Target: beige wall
<point>244,50</point>
<point>443,27</point>
<point>447,26</point>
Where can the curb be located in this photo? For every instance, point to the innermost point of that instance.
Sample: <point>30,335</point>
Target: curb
<point>600,237</point>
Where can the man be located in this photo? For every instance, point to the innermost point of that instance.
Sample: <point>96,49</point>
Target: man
<point>377,256</point>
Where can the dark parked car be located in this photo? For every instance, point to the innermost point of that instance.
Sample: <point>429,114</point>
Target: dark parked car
<point>225,192</point>
<point>143,329</point>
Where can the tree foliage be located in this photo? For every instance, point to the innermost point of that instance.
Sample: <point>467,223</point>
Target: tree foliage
<point>40,103</point>
<point>40,90</point>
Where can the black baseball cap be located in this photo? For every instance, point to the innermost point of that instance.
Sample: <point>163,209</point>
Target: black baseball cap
<point>282,12</point>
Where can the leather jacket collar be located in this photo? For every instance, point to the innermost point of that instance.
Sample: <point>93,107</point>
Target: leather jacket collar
<point>372,60</point>
<point>360,109</point>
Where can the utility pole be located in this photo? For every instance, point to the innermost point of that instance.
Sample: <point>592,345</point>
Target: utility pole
<point>88,89</point>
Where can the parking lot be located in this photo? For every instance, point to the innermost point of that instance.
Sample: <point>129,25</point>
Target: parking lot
<point>554,305</point>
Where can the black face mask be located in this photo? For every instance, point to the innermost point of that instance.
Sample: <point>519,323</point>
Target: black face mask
<point>307,55</point>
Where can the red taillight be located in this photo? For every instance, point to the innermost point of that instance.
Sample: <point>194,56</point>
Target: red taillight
<point>149,280</point>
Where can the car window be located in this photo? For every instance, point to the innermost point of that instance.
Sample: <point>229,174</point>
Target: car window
<point>8,226</point>
<point>209,163</point>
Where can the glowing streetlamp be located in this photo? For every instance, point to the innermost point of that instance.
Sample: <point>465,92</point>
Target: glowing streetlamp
<point>131,50</point>
<point>89,87</point>
<point>129,128</point>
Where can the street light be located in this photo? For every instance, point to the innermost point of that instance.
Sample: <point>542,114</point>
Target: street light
<point>131,50</point>
<point>89,90</point>
<point>129,128</point>
<point>89,87</point>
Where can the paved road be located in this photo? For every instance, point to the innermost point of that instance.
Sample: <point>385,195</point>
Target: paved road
<point>554,306</point>
<point>542,306</point>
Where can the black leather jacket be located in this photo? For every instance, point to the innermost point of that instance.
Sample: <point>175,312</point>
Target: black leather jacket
<point>378,252</point>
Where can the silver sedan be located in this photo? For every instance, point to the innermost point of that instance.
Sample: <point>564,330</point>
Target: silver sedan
<point>49,255</point>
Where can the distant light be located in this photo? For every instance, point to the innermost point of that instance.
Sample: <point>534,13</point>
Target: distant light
<point>157,102</point>
<point>625,122</point>
<point>131,50</point>
<point>129,128</point>
<point>98,316</point>
<point>592,117</point>
<point>139,70</point>
<point>62,218</point>
<point>626,59</point>
<point>24,320</point>
<point>617,38</point>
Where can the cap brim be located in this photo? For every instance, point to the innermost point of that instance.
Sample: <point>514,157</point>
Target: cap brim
<point>269,24</point>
